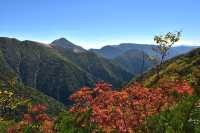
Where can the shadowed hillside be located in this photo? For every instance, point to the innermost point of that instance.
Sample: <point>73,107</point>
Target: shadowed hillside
<point>53,73</point>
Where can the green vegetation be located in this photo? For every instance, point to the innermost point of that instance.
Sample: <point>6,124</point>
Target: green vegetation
<point>15,100</point>
<point>183,67</point>
<point>56,75</point>
<point>99,69</point>
<point>68,122</point>
<point>182,118</point>
<point>5,124</point>
<point>28,95</point>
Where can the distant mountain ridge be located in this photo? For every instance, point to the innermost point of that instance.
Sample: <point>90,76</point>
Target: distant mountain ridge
<point>134,61</point>
<point>112,51</point>
<point>129,55</point>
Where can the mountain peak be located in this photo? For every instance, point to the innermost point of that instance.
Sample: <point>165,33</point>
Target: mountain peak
<point>65,44</point>
<point>62,41</point>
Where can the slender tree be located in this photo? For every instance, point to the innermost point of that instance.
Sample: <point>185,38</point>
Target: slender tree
<point>165,43</point>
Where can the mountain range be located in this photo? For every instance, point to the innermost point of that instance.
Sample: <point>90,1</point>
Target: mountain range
<point>132,57</point>
<point>60,68</point>
<point>55,70</point>
<point>113,51</point>
<point>48,74</point>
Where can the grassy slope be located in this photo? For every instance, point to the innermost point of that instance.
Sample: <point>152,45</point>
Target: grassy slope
<point>183,67</point>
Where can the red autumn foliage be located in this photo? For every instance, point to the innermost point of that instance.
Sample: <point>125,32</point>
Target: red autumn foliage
<point>38,108</point>
<point>27,118</point>
<point>184,88</point>
<point>36,114</point>
<point>125,110</point>
<point>43,117</point>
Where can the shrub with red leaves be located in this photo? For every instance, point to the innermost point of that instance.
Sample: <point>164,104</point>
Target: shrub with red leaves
<point>36,119</point>
<point>124,110</point>
<point>184,88</point>
<point>38,108</point>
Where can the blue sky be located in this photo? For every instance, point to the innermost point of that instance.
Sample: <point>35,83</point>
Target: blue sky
<point>94,23</point>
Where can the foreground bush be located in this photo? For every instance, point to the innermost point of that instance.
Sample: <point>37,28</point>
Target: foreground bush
<point>102,109</point>
<point>126,110</point>
<point>35,121</point>
<point>79,123</point>
<point>183,118</point>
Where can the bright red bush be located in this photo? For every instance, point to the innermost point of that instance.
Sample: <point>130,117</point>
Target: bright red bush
<point>184,88</point>
<point>124,110</point>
